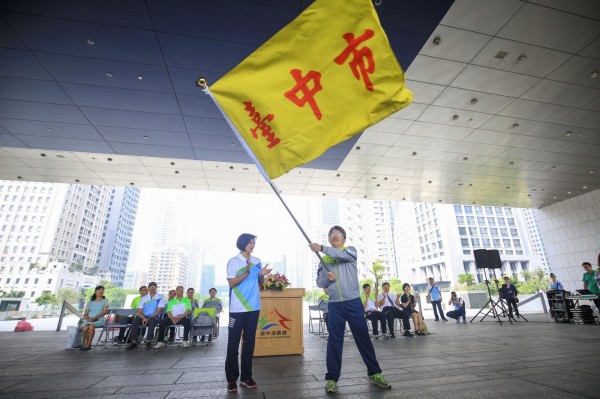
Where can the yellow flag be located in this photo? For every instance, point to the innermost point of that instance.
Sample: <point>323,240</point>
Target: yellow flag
<point>326,76</point>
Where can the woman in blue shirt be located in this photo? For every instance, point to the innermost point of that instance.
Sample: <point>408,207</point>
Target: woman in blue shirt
<point>93,316</point>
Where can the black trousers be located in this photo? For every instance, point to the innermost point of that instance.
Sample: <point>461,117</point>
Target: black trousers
<point>377,317</point>
<point>137,324</point>
<point>391,313</point>
<point>512,304</point>
<point>166,322</point>
<point>241,322</point>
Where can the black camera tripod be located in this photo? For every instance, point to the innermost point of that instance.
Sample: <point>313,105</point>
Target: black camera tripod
<point>497,308</point>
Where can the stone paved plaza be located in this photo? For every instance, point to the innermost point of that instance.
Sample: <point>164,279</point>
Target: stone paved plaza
<point>537,359</point>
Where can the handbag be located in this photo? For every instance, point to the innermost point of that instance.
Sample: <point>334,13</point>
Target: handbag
<point>75,338</point>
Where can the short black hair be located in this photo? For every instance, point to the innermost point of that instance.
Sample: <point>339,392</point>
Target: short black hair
<point>386,283</point>
<point>366,285</point>
<point>404,286</point>
<point>453,293</point>
<point>586,264</point>
<point>338,228</point>
<point>243,241</point>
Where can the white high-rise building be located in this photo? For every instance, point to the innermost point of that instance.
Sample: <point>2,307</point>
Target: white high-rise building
<point>115,244</point>
<point>169,268</point>
<point>438,241</point>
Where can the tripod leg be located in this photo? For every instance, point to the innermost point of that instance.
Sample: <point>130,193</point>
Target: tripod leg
<point>480,310</point>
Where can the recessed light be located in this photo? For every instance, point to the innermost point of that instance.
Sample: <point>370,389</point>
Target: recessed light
<point>542,202</point>
<point>591,172</point>
<point>529,195</point>
<point>403,198</point>
<point>173,164</point>
<point>378,185</point>
<point>584,187</point>
<point>437,40</point>
<point>231,168</point>
<point>233,189</point>
<point>455,117</point>
<point>337,175</point>
<point>50,129</point>
<point>552,167</point>
<point>474,202</point>
<point>145,137</point>
<point>19,177</point>
<point>429,182</point>
<point>465,158</point>
<point>439,200</point>
<point>515,125</point>
<point>324,194</point>
<point>109,74</point>
<point>594,74</point>
<point>232,144</point>
<point>176,172</point>
<point>109,159</point>
<point>385,178</point>
<point>522,59</point>
<point>470,184</point>
<point>140,77</point>
<point>43,155</point>
<point>184,186</point>
<point>91,41</point>
<point>373,177</point>
<point>131,184</point>
<point>505,204</point>
<point>414,154</point>
<point>501,54</point>
<point>569,192</point>
<point>568,134</point>
<point>473,101</point>
<point>508,187</point>
<point>511,163</point>
<point>60,156</point>
<point>245,169</point>
<point>365,196</point>
<point>357,147</point>
<point>554,197</point>
<point>580,135</point>
<point>76,180</point>
<point>460,184</point>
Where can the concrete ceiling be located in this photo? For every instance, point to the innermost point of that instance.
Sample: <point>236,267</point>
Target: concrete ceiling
<point>506,109</point>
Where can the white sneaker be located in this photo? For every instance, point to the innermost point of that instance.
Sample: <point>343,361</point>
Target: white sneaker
<point>186,344</point>
<point>159,345</point>
<point>386,336</point>
<point>376,336</point>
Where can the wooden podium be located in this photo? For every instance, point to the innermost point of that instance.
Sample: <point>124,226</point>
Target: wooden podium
<point>280,328</point>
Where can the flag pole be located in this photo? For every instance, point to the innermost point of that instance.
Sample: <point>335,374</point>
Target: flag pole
<point>201,82</point>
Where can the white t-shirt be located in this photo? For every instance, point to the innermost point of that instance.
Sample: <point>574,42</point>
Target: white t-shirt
<point>392,297</point>
<point>370,306</point>
<point>244,297</point>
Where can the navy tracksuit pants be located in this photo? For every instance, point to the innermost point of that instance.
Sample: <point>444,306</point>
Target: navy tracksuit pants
<point>245,322</point>
<point>352,312</point>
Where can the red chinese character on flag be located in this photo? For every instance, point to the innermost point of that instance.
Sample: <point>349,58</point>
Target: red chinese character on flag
<point>308,95</point>
<point>357,64</point>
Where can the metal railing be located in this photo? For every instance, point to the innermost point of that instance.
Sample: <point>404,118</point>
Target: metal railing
<point>539,295</point>
<point>66,305</point>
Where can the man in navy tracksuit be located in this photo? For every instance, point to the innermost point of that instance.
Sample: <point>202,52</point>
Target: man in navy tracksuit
<point>339,274</point>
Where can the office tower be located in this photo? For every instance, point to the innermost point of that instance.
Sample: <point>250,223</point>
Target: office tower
<point>207,279</point>
<point>169,268</point>
<point>113,254</point>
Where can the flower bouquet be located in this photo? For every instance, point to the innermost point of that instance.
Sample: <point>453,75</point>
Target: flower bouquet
<point>276,282</point>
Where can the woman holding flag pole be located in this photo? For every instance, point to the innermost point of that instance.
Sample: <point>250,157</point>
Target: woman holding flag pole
<point>339,274</point>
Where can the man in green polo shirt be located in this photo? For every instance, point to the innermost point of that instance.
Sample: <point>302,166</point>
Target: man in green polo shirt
<point>589,282</point>
<point>178,312</point>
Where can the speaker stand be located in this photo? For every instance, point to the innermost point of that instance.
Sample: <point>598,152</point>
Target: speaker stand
<point>496,307</point>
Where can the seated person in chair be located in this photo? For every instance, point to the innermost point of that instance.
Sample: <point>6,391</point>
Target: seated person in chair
<point>509,293</point>
<point>373,314</point>
<point>212,302</point>
<point>148,313</point>
<point>388,303</point>
<point>459,308</point>
<point>407,301</point>
<point>554,284</point>
<point>134,304</point>
<point>195,305</point>
<point>178,311</point>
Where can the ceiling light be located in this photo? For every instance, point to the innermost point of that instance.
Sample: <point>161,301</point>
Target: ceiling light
<point>553,167</point>
<point>324,194</point>
<point>414,154</point>
<point>231,168</point>
<point>176,172</point>
<point>145,137</point>
<point>109,74</point>
<point>173,164</point>
<point>470,184</point>
<point>542,202</point>
<point>232,144</point>
<point>378,185</point>
<point>357,147</point>
<point>465,158</point>
<point>140,77</point>
<point>474,202</point>
<point>50,129</point>
<point>43,155</point>
<point>91,41</point>
<point>76,180</point>
<point>460,184</point>
<point>429,182</point>
<point>529,195</point>
<point>591,172</point>
<point>511,163</point>
<point>580,135</point>
<point>455,117</point>
<point>437,40</point>
<point>473,101</point>
<point>337,175</point>
<point>385,178</point>
<point>19,177</point>
<point>568,134</point>
<point>594,74</point>
<point>584,187</point>
<point>515,125</point>
<point>131,184</point>
<point>439,200</point>
<point>569,192</point>
<point>403,198</point>
<point>365,196</point>
<point>554,197</point>
<point>373,177</point>
<point>233,189</point>
<point>60,156</point>
<point>109,159</point>
<point>184,186</point>
<point>522,59</point>
<point>245,169</point>
<point>508,187</point>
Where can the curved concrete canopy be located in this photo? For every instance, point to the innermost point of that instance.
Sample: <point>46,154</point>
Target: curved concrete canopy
<point>506,110</point>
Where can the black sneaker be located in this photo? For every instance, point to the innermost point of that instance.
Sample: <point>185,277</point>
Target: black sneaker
<point>132,345</point>
<point>392,335</point>
<point>232,386</point>
<point>407,334</point>
<point>118,340</point>
<point>249,383</point>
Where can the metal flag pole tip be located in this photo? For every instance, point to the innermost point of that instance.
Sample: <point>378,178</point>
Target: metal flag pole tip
<point>202,82</point>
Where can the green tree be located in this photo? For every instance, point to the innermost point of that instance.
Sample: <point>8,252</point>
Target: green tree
<point>46,299</point>
<point>14,294</point>
<point>376,270</point>
<point>395,285</point>
<point>535,282</point>
<point>466,278</point>
<point>312,296</point>
<point>68,294</point>
<point>116,295</point>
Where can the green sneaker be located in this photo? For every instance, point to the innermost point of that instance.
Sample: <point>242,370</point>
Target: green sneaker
<point>331,386</point>
<point>379,380</point>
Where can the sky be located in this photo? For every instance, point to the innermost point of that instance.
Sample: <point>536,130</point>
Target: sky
<point>216,219</point>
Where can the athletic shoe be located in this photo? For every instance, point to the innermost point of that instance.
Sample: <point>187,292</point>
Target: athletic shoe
<point>118,340</point>
<point>457,320</point>
<point>132,345</point>
<point>407,334</point>
<point>379,380</point>
<point>392,335</point>
<point>376,336</point>
<point>232,386</point>
<point>249,383</point>
<point>444,319</point>
<point>386,336</point>
<point>159,345</point>
<point>186,344</point>
<point>331,386</point>
<point>465,321</point>
<point>437,319</point>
